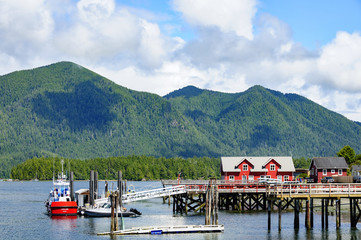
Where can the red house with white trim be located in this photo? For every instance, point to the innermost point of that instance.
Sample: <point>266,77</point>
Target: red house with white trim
<point>250,169</point>
<point>327,167</point>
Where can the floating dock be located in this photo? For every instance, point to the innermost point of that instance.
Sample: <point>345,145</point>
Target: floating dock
<point>168,230</point>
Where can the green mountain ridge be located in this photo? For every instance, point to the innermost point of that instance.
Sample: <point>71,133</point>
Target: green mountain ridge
<point>67,110</point>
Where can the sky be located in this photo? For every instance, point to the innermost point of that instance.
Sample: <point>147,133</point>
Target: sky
<point>311,48</point>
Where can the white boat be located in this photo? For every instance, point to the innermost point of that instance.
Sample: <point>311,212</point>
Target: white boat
<point>105,211</point>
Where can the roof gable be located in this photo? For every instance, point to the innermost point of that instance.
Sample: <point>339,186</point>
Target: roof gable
<point>270,160</point>
<point>243,160</point>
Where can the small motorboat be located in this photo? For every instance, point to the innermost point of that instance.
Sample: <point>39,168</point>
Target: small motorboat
<point>105,211</point>
<point>59,202</point>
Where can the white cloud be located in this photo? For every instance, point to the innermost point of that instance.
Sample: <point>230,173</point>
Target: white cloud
<point>340,62</point>
<point>23,24</point>
<point>227,15</point>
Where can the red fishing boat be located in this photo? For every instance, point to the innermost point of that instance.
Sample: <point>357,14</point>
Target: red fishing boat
<point>59,202</point>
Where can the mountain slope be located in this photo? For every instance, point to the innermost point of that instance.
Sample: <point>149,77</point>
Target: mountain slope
<point>66,110</point>
<point>260,121</point>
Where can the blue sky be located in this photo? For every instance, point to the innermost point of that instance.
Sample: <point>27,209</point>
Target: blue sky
<point>307,47</point>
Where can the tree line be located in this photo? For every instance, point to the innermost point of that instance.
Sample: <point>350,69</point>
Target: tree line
<point>134,168</point>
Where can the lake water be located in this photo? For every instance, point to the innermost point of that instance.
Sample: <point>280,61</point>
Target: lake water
<point>23,216</point>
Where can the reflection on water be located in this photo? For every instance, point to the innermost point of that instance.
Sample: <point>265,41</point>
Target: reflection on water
<point>28,199</point>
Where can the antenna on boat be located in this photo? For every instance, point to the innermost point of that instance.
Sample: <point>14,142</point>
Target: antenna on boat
<point>53,169</point>
<point>62,168</point>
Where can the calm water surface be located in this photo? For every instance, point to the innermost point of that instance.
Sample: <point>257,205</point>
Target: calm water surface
<point>22,216</point>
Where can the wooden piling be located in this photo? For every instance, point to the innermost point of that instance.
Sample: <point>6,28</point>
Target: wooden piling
<point>323,213</point>
<point>91,188</point>
<point>279,215</point>
<point>311,212</point>
<point>269,214</point>
<point>296,224</point>
<point>207,208</point>
<point>216,204</point>
<point>112,213</point>
<point>307,217</point>
<point>71,185</point>
<point>326,213</point>
<point>96,193</point>
<point>120,175</point>
<point>338,214</point>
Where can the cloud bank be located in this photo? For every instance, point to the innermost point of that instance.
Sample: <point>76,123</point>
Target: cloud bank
<point>233,48</point>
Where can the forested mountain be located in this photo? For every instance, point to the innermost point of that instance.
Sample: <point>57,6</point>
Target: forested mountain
<point>66,110</point>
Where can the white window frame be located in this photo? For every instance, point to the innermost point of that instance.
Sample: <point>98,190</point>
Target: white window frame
<point>332,170</point>
<point>231,178</point>
<point>272,166</point>
<point>324,172</point>
<point>340,172</point>
<point>245,167</point>
<point>250,178</point>
<point>285,177</point>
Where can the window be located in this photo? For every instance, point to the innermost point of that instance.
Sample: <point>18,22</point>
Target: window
<point>312,172</point>
<point>332,170</point>
<point>272,167</point>
<point>231,178</point>
<point>324,171</point>
<point>286,178</point>
<point>279,177</point>
<point>340,172</point>
<point>245,167</point>
<point>250,178</point>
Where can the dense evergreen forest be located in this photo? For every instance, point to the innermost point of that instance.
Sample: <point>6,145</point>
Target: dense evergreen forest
<point>133,168</point>
<point>65,110</point>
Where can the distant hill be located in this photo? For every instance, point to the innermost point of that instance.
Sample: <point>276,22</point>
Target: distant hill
<point>66,110</point>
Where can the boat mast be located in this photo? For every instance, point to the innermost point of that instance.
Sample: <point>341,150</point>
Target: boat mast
<point>62,169</point>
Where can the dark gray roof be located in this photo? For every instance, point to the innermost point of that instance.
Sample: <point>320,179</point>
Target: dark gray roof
<point>329,162</point>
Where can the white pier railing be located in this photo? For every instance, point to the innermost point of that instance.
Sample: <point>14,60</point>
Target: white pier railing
<point>154,193</point>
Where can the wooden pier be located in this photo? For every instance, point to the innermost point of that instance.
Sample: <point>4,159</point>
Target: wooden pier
<point>241,197</point>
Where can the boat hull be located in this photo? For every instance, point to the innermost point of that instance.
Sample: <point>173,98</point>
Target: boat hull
<point>103,213</point>
<point>63,208</point>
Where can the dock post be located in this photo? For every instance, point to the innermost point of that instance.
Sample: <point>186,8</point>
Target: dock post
<point>117,196</point>
<point>311,212</point>
<point>216,203</point>
<point>120,175</point>
<point>72,186</point>
<point>326,213</point>
<point>269,214</point>
<point>96,193</point>
<point>296,224</point>
<point>112,212</point>
<point>279,214</point>
<point>91,188</point>
<point>207,207</point>
<point>323,212</point>
<point>353,212</point>
<point>307,217</point>
<point>338,214</point>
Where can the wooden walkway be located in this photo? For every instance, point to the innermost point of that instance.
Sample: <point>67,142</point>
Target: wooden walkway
<point>314,190</point>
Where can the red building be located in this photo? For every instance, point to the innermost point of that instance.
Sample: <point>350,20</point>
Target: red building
<point>327,167</point>
<point>250,169</point>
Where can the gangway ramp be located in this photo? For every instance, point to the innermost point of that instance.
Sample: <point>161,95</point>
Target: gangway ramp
<point>154,193</point>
